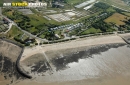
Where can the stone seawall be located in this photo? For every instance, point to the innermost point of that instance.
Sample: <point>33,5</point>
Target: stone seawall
<point>18,67</point>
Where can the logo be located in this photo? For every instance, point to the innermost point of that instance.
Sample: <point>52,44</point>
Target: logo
<point>24,4</point>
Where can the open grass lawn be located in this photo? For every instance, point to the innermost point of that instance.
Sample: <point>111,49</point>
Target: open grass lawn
<point>37,20</point>
<point>126,13</point>
<point>75,1</point>
<point>91,31</point>
<point>14,32</point>
<point>42,36</point>
<point>25,37</point>
<point>116,18</point>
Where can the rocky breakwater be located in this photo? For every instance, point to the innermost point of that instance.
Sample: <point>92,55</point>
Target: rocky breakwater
<point>10,53</point>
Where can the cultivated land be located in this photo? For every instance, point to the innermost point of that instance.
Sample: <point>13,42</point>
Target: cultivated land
<point>117,19</point>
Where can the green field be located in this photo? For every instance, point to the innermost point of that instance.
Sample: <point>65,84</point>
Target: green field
<point>126,13</point>
<point>14,32</point>
<point>1,3</point>
<point>91,31</point>
<point>36,20</point>
<point>73,2</point>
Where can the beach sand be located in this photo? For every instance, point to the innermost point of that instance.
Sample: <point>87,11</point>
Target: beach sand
<point>72,44</point>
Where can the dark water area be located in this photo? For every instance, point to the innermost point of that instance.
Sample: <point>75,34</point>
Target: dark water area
<point>61,62</point>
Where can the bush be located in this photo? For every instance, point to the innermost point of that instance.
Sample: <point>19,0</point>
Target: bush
<point>36,43</point>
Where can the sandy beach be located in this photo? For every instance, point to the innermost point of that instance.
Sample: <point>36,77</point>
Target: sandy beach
<point>72,44</point>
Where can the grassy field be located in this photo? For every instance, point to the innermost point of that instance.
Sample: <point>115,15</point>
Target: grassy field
<point>126,13</point>
<point>91,31</point>
<point>116,18</point>
<point>36,20</point>
<point>1,3</point>
<point>14,32</point>
<point>73,2</point>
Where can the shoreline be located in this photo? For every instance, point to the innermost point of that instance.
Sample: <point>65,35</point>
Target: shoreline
<point>92,41</point>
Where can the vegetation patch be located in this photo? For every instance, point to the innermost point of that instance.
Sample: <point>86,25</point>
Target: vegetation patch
<point>117,19</point>
<point>91,31</point>
<point>73,2</point>
<point>14,32</point>
<point>126,13</point>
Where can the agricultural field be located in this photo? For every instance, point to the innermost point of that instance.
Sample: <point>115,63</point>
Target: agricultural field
<point>117,19</point>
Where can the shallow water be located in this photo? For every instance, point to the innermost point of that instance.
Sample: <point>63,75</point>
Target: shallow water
<point>115,61</point>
